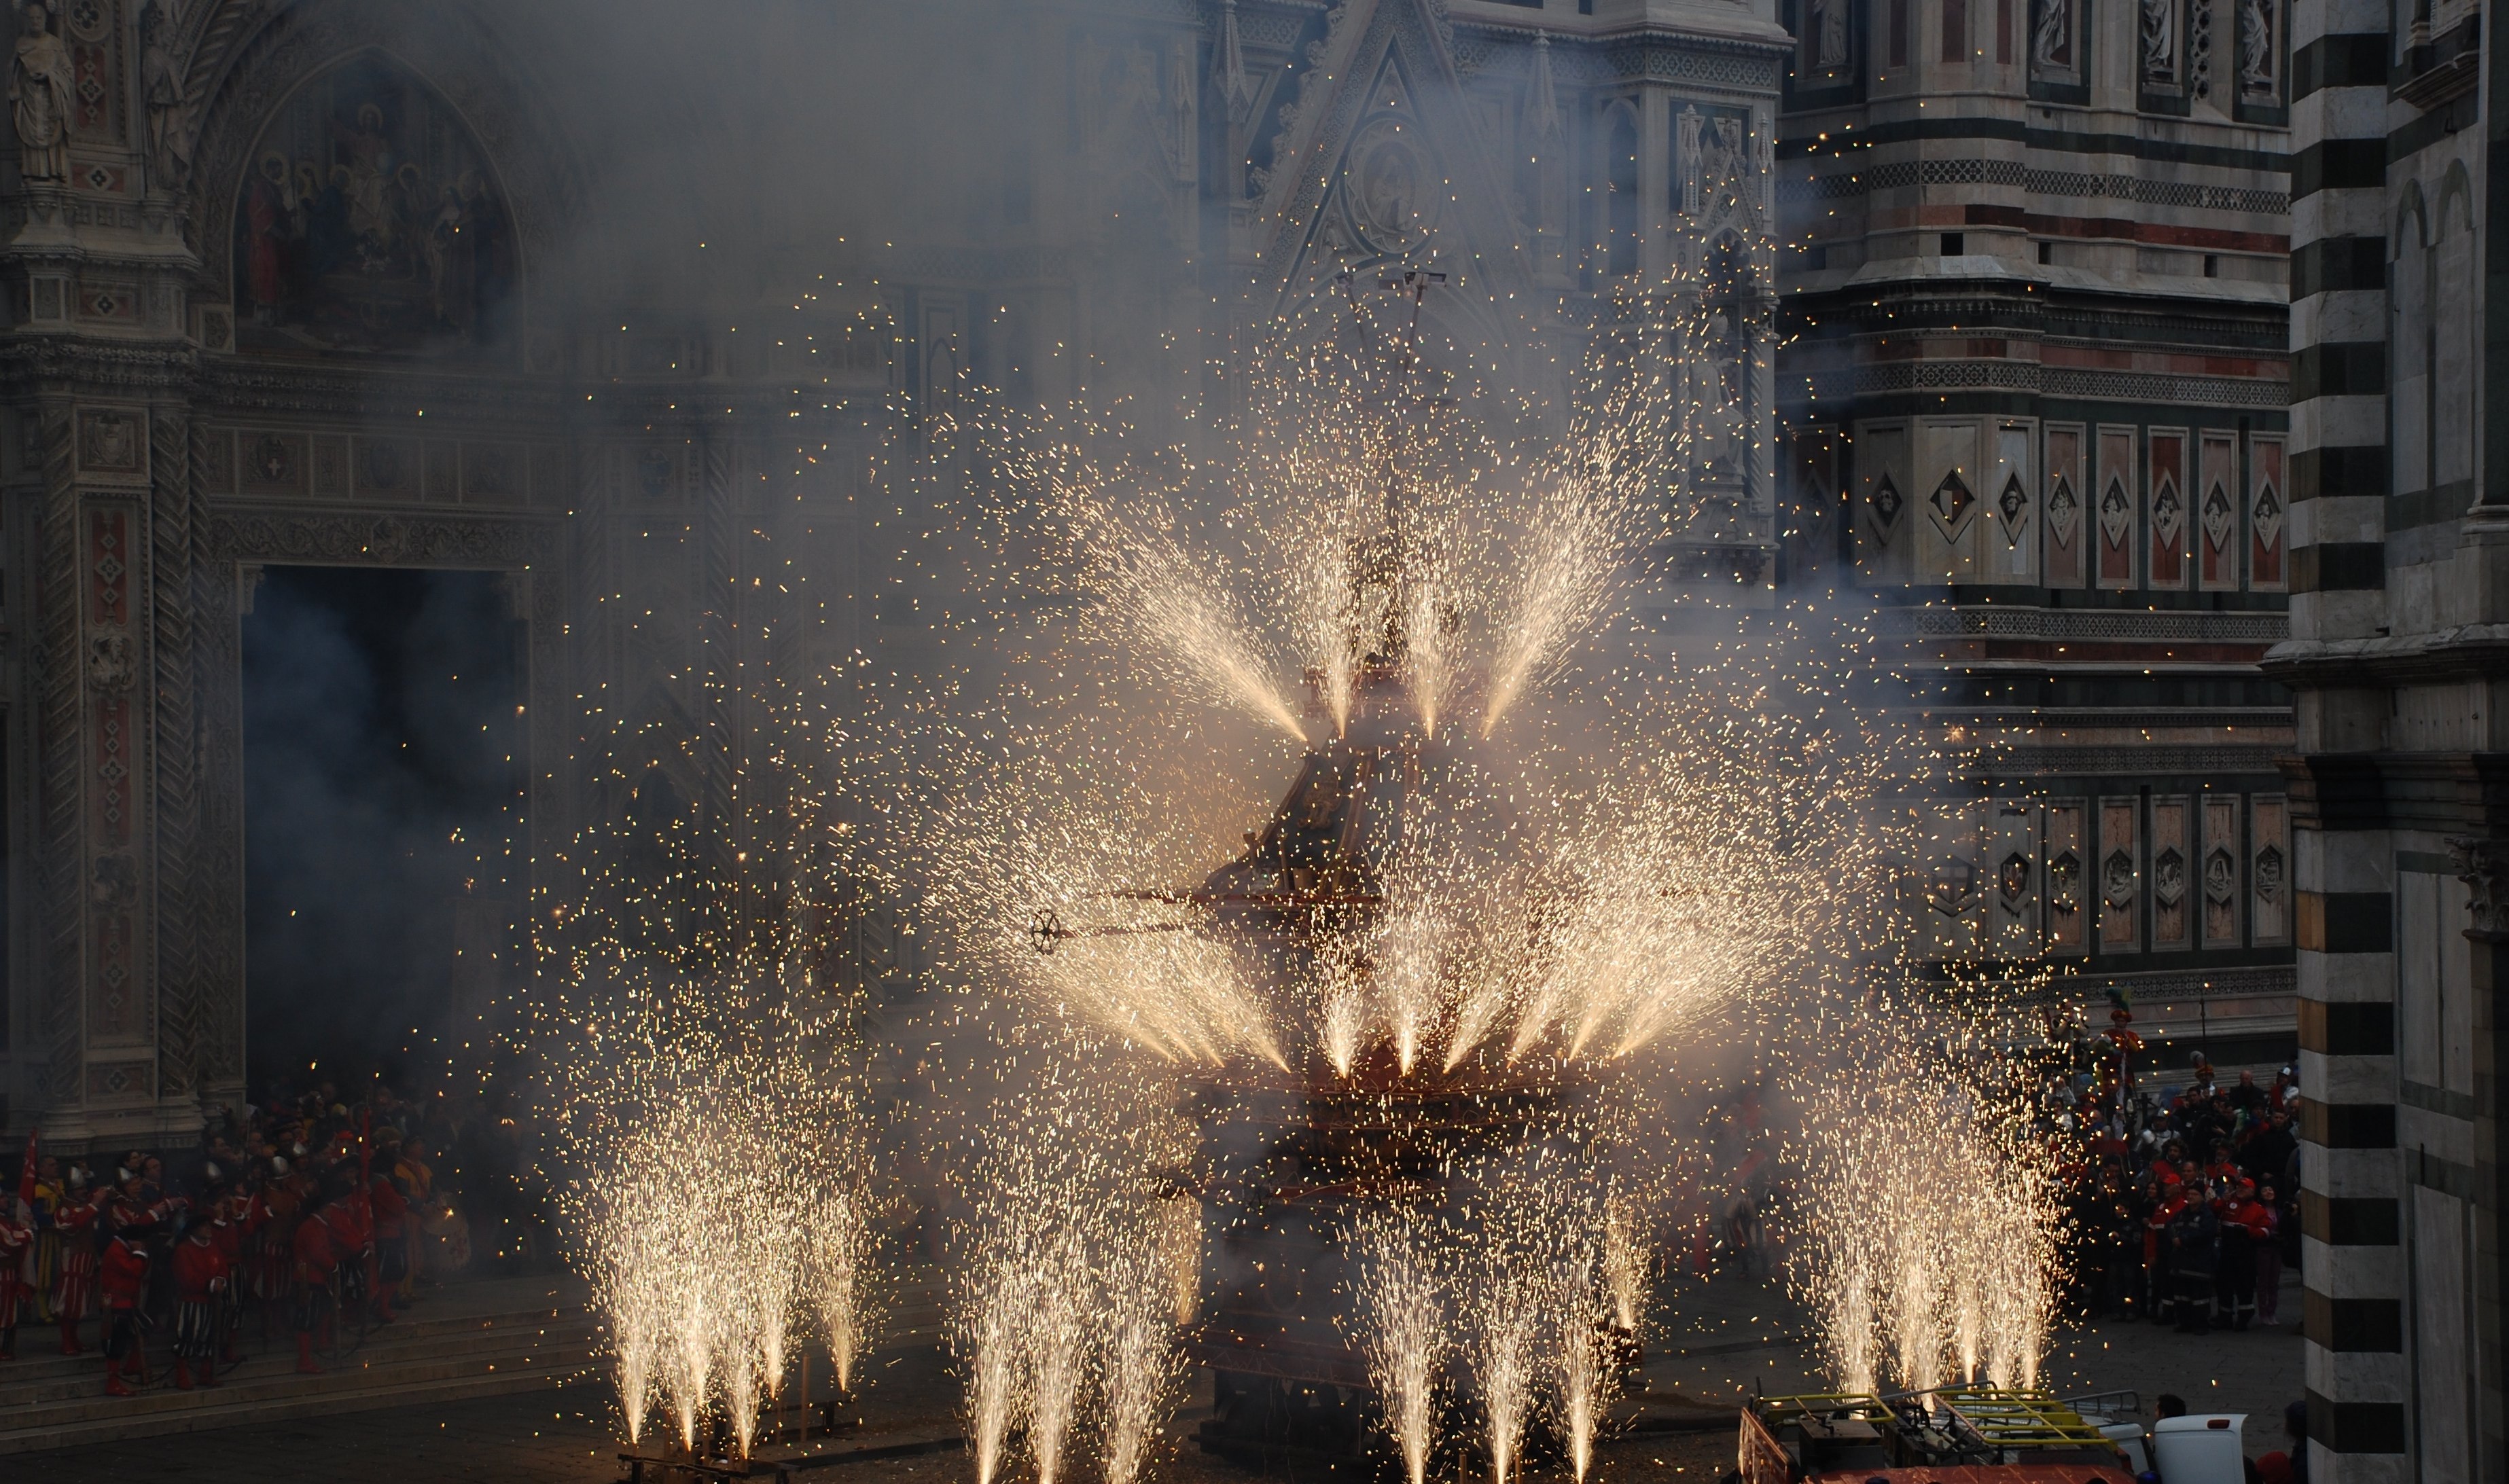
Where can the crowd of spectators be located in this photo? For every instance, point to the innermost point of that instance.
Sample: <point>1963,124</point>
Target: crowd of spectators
<point>310,1212</point>
<point>2183,1203</point>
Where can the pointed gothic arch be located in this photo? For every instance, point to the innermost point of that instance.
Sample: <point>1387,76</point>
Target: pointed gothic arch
<point>370,220</point>
<point>250,65</point>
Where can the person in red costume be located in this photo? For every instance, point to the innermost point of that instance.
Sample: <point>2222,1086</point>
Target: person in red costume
<point>316,1261</point>
<point>270,1225</point>
<point>2168,1201</point>
<point>226,1234</point>
<point>353,1240</point>
<point>16,1240</point>
<point>201,1276</point>
<point>390,1241</point>
<point>76,1222</point>
<point>2247,1224</point>
<point>123,1278</point>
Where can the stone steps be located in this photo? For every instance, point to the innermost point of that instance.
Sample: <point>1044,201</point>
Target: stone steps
<point>56,1401</point>
<point>50,1376</point>
<point>49,1401</point>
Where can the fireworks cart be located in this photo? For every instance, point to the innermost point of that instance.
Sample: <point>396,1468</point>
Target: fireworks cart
<point>1953,1436</point>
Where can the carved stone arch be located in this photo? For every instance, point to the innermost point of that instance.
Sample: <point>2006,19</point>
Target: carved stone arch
<point>2455,211</point>
<point>253,56</point>
<point>2413,222</point>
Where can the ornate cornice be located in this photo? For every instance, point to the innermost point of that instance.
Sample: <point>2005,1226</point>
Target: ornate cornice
<point>2129,760</point>
<point>2472,650</point>
<point>359,538</point>
<point>2030,377</point>
<point>229,386</point>
<point>2091,625</point>
<point>133,368</point>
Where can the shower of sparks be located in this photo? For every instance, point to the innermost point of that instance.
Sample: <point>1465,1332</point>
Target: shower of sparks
<point>841,1275</point>
<point>1538,835</point>
<point>1931,1230</point>
<point>694,1229</point>
<point>1589,1378</point>
<point>1139,1368</point>
<point>1067,1282</point>
<point>1625,1258</point>
<point>1403,1327</point>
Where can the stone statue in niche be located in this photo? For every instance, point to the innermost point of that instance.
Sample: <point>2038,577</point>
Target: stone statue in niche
<point>161,87</point>
<point>1829,34</point>
<point>41,87</point>
<point>369,222</point>
<point>2256,48</point>
<point>2159,41</point>
<point>2052,43</point>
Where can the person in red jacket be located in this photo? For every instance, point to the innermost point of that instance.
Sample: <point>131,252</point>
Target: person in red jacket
<point>317,1260</point>
<point>2168,1201</point>
<point>16,1239</point>
<point>123,1278</point>
<point>391,1242</point>
<point>226,1234</point>
<point>75,1222</point>
<point>269,1222</point>
<point>353,1241</point>
<point>200,1274</point>
<point>2246,1225</point>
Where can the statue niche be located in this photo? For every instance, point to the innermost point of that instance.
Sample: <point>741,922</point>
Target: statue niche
<point>368,221</point>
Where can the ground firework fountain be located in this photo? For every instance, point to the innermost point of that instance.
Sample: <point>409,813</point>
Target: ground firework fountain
<point>1371,1113</point>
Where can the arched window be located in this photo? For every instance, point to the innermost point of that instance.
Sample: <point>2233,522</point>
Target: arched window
<point>2454,364</point>
<point>2409,311</point>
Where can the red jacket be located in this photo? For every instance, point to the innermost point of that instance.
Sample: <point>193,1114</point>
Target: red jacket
<point>125,1274</point>
<point>350,1232</point>
<point>14,1242</point>
<point>77,1225</point>
<point>2252,1216</point>
<point>199,1268</point>
<point>390,1209</point>
<point>316,1255</point>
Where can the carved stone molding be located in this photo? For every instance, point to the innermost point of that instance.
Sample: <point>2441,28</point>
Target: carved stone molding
<point>2482,865</point>
<point>29,360</point>
<point>2027,760</point>
<point>361,539</point>
<point>2015,621</point>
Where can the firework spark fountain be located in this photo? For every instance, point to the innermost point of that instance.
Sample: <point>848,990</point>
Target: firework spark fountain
<point>840,1273</point>
<point>1587,1378</point>
<point>1625,1259</point>
<point>1404,1335</point>
<point>1936,1235</point>
<point>1506,1339</point>
<point>1139,1366</point>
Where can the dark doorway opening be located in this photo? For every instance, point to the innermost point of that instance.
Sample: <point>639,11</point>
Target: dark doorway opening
<point>384,847</point>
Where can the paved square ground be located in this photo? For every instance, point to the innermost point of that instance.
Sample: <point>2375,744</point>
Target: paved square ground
<point>1715,1343</point>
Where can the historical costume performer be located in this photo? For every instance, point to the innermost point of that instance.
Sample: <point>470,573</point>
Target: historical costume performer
<point>227,1234</point>
<point>200,1281</point>
<point>16,1242</point>
<point>75,1222</point>
<point>317,1260</point>
<point>46,1200</point>
<point>390,1241</point>
<point>124,1279</point>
